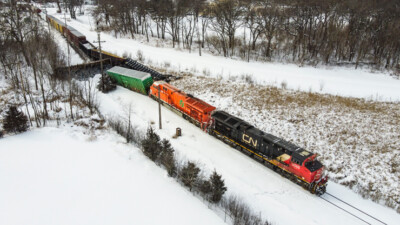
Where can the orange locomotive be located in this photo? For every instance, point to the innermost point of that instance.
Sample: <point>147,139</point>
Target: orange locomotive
<point>189,107</point>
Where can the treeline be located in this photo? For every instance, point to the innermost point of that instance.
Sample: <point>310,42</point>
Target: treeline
<point>29,57</point>
<point>301,31</point>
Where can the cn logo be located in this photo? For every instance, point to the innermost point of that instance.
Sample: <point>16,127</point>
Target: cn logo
<point>249,140</point>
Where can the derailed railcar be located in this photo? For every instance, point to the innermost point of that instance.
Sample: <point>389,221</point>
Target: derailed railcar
<point>131,79</point>
<point>284,157</point>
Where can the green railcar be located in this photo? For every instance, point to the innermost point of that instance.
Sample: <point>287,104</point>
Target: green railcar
<point>132,79</point>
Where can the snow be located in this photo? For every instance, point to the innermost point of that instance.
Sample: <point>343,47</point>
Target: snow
<point>265,191</point>
<point>62,176</point>
<point>274,197</point>
<point>341,81</point>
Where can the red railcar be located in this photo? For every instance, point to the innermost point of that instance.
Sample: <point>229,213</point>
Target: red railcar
<point>74,36</point>
<point>189,107</point>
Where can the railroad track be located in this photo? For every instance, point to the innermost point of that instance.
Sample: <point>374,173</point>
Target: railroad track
<point>352,210</point>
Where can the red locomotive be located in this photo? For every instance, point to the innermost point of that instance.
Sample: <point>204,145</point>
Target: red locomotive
<point>284,157</point>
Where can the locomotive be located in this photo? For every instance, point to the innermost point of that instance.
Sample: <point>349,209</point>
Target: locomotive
<point>287,159</point>
<point>193,109</point>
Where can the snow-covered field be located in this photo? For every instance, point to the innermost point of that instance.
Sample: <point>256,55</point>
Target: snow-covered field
<point>68,175</point>
<point>265,191</point>
<point>357,141</point>
<point>332,80</point>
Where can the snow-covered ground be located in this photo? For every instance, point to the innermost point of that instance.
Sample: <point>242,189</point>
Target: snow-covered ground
<point>274,197</point>
<point>68,175</point>
<point>332,80</point>
<point>265,191</point>
<point>357,141</point>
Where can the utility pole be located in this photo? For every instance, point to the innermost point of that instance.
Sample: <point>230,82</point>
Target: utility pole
<point>101,55</point>
<point>159,106</point>
<point>69,70</point>
<point>45,11</point>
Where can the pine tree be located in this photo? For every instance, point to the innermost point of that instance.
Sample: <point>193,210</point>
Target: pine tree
<point>217,186</point>
<point>167,157</point>
<point>189,175</point>
<point>1,133</point>
<point>15,121</point>
<point>151,145</point>
<point>109,84</point>
<point>205,189</point>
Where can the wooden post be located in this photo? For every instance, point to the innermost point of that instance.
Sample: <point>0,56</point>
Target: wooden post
<point>69,69</point>
<point>159,107</point>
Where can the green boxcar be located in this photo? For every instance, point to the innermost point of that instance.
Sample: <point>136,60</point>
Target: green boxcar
<point>135,80</point>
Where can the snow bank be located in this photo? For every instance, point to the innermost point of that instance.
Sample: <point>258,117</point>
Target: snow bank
<point>55,176</point>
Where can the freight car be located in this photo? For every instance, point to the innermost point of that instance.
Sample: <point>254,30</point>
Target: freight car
<point>131,79</point>
<point>283,157</point>
<point>79,41</point>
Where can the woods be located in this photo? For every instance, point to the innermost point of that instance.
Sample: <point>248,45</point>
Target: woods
<point>312,32</point>
<point>29,57</point>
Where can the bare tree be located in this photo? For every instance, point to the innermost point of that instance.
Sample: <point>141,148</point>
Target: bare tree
<point>226,19</point>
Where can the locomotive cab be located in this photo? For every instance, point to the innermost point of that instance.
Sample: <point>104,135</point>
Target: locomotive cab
<point>305,165</point>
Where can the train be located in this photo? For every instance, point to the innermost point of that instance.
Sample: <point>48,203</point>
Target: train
<point>285,158</point>
<point>78,40</point>
<point>291,161</point>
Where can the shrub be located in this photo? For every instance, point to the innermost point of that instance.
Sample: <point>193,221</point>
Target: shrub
<point>167,157</point>
<point>151,145</point>
<point>15,121</point>
<point>205,189</point>
<point>217,187</point>
<point>140,56</point>
<point>1,133</point>
<point>189,175</point>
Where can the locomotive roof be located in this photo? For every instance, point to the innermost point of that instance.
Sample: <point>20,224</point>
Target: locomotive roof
<point>199,104</point>
<point>292,149</point>
<point>190,100</point>
<point>129,73</point>
<point>299,153</point>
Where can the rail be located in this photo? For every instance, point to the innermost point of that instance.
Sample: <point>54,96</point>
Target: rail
<point>347,211</point>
